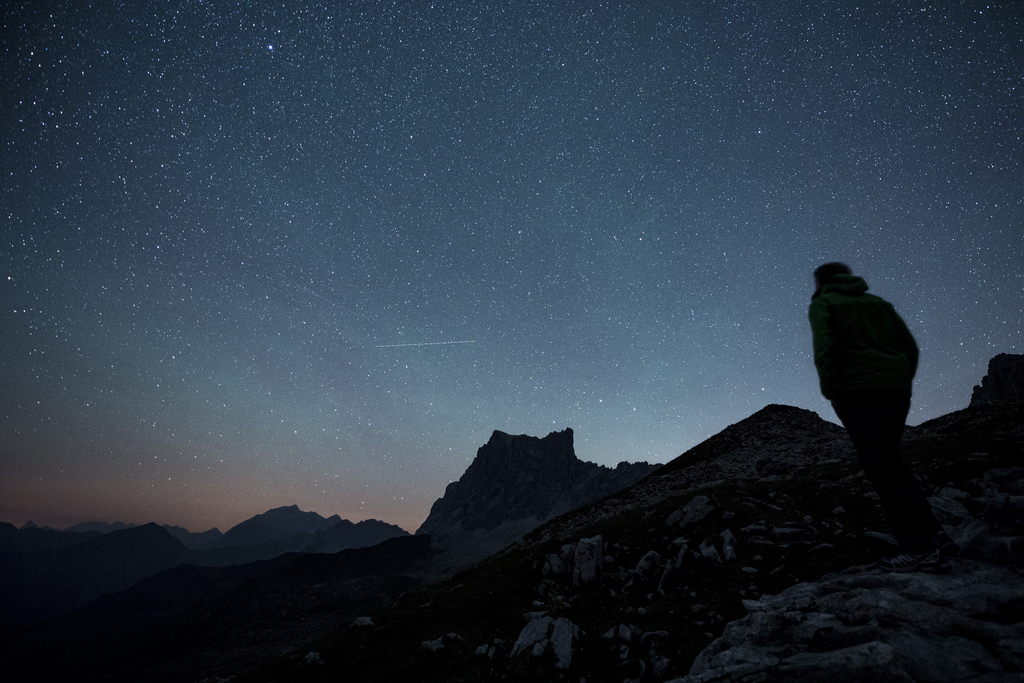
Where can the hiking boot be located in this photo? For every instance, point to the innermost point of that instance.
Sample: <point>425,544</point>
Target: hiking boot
<point>930,561</point>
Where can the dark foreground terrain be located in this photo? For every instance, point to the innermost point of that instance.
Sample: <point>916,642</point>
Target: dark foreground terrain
<point>194,623</point>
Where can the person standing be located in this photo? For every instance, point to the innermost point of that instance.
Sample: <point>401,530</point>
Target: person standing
<point>866,359</point>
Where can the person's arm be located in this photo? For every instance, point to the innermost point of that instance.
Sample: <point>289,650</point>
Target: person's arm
<point>824,347</point>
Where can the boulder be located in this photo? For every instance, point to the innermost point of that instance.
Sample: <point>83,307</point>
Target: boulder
<point>560,635</point>
<point>691,513</point>
<point>587,561</point>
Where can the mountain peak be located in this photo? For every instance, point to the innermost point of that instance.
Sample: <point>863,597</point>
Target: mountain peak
<point>516,483</point>
<point>288,519</point>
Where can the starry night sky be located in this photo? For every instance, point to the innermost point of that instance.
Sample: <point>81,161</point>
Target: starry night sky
<point>259,254</point>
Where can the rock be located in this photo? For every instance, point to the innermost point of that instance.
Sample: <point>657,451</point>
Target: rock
<point>587,561</point>
<point>1004,382</point>
<point>728,546</point>
<point>563,637</point>
<point>1005,511</point>
<point>953,494</point>
<point>621,632</point>
<point>871,661</point>
<point>666,576</point>
<point>683,545</point>
<point>313,658</point>
<point>756,534</point>
<point>691,513</point>
<point>640,578</point>
<point>362,621</point>
<point>441,643</point>
<point>1003,476</point>
<point>660,664</point>
<point>648,563</point>
<point>947,510</point>
<point>485,650</point>
<point>540,634</point>
<point>709,552</point>
<point>885,538</point>
<point>786,535</point>
<point>977,540</point>
<point>553,566</point>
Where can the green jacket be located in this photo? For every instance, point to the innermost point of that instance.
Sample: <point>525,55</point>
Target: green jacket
<point>860,342</point>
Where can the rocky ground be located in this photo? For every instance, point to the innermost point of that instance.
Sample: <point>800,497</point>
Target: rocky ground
<point>747,559</point>
<point>964,625</point>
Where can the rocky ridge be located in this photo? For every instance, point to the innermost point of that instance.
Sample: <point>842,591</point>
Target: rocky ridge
<point>771,444</point>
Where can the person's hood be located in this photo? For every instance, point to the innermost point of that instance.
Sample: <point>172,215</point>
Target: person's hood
<point>851,285</point>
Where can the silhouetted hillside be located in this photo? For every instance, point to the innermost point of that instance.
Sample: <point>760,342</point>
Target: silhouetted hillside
<point>38,585</point>
<point>34,539</point>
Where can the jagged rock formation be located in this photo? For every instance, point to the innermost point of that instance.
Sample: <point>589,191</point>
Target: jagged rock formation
<point>515,484</point>
<point>1004,382</point>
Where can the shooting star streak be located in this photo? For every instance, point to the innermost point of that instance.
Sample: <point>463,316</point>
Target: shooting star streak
<point>392,346</point>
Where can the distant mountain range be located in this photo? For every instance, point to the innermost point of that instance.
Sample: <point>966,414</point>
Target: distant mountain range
<point>46,572</point>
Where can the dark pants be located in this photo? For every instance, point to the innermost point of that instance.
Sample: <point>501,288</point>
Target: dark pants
<point>875,423</point>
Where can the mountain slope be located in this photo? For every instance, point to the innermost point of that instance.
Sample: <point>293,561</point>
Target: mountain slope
<point>661,593</point>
